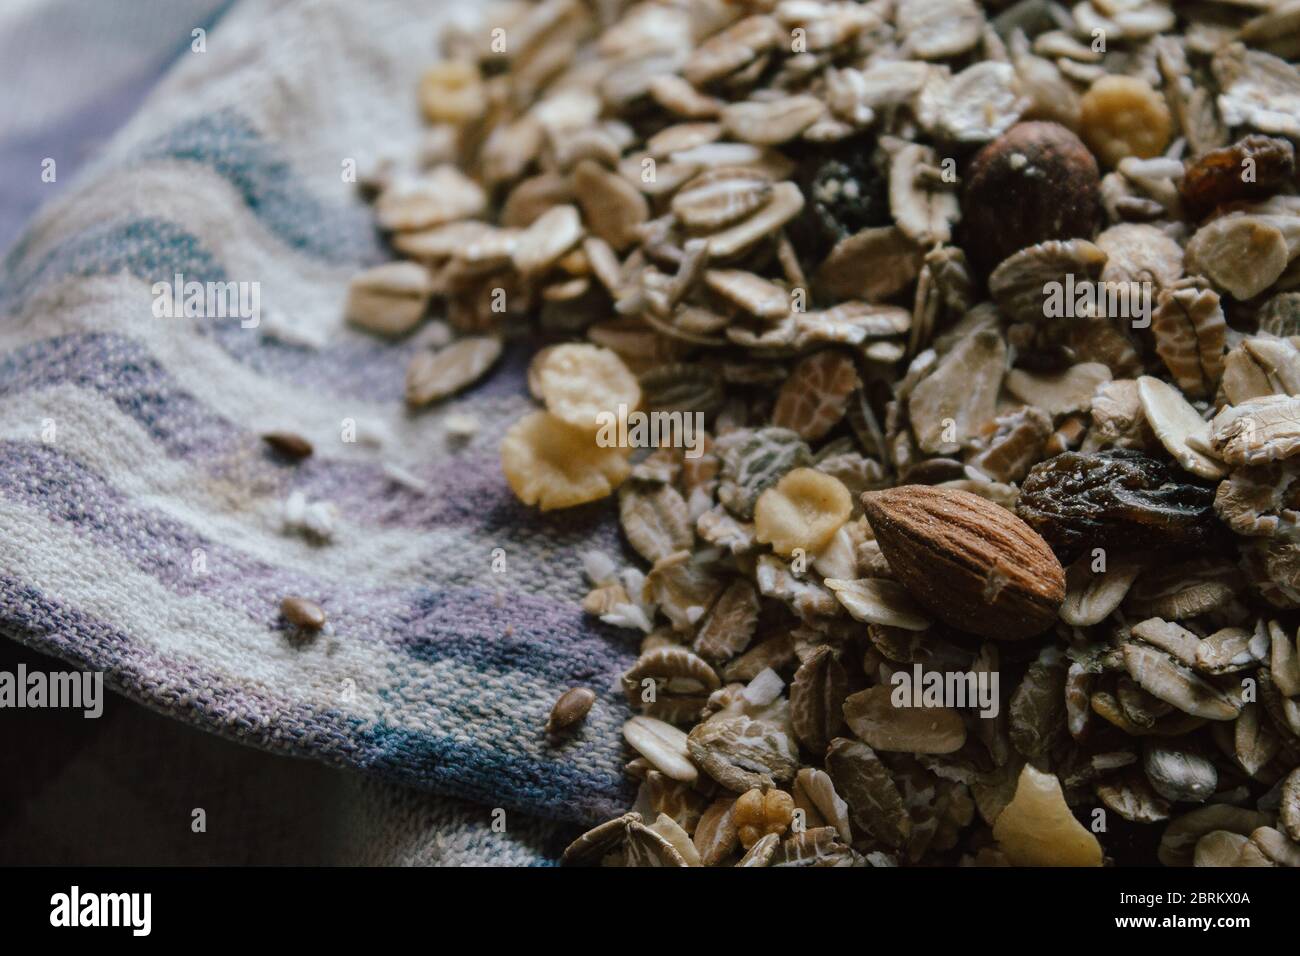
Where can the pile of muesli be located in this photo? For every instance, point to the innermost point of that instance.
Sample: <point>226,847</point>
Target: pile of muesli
<point>975,537</point>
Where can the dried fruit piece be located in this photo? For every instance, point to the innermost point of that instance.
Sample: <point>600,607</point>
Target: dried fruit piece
<point>1038,714</point>
<point>1037,829</point>
<point>1123,116</point>
<point>1116,498</point>
<point>551,464</point>
<point>803,511</point>
<point>587,387</point>
<point>971,563</point>
<point>874,718</point>
<point>1034,183</point>
<point>434,375</point>
<point>1252,168</point>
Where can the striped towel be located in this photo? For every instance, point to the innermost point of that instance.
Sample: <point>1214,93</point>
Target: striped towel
<point>142,518</point>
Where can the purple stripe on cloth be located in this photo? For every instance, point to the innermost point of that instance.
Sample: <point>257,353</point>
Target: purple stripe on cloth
<point>529,625</point>
<point>580,788</point>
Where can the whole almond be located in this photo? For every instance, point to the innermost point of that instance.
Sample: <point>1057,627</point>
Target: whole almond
<point>971,563</point>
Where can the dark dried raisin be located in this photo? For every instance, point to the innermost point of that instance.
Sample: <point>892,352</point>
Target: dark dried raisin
<point>845,193</point>
<point>1251,168</point>
<point>1120,498</point>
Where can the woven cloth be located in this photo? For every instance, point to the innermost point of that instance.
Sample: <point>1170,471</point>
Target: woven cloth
<point>142,517</point>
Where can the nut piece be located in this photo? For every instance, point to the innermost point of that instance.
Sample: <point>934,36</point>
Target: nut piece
<point>554,465</point>
<point>1038,829</point>
<point>758,814</point>
<point>1035,182</point>
<point>572,707</point>
<point>300,612</point>
<point>972,563</point>
<point>804,510</point>
<point>1124,116</point>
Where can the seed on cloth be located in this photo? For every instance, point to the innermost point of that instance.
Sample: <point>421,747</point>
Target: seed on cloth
<point>304,613</point>
<point>570,708</point>
<point>289,445</point>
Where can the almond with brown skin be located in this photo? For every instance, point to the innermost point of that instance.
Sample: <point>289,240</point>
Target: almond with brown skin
<point>972,563</point>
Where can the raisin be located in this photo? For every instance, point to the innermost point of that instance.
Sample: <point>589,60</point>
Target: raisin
<point>846,194</point>
<point>1118,498</point>
<point>1220,176</point>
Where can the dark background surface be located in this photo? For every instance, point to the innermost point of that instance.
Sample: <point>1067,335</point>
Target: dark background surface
<point>121,789</point>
